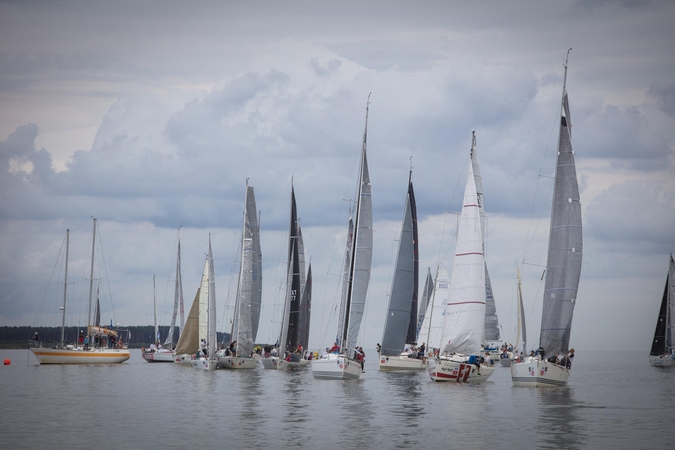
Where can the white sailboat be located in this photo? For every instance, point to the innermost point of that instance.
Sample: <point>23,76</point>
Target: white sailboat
<point>491,333</point>
<point>209,361</point>
<point>662,353</point>
<point>96,353</point>
<point>247,292</point>
<point>340,365</point>
<point>290,348</point>
<point>400,326</point>
<point>563,268</point>
<point>464,320</point>
<point>157,353</point>
<point>508,357</point>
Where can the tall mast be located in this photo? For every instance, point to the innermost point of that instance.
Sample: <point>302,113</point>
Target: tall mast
<point>65,284</point>
<point>154,302</point>
<point>91,277</point>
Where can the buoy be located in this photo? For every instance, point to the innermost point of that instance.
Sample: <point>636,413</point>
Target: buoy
<point>7,362</point>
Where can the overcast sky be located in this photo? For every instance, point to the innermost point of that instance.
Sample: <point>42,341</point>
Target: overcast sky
<point>152,115</point>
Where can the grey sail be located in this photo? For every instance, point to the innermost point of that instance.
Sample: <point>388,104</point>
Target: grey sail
<point>362,255</point>
<point>491,320</point>
<point>345,282</point>
<point>402,296</point>
<point>563,264</point>
<point>242,331</point>
<point>293,287</point>
<point>305,310</point>
<point>256,267</point>
<point>424,301</point>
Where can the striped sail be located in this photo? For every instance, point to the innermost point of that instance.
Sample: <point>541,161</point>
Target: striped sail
<point>491,320</point>
<point>464,325</point>
<point>403,295</point>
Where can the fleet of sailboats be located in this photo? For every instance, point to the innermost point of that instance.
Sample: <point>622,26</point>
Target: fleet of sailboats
<point>662,353</point>
<point>563,268</point>
<point>341,364</point>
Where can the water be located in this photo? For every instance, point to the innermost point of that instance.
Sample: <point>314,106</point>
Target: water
<point>614,400</point>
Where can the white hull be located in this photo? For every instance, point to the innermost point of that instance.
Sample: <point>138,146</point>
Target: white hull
<point>79,356</point>
<point>401,362</point>
<point>159,356</point>
<point>185,359</point>
<point>236,363</point>
<point>457,369</point>
<point>663,360</point>
<point>536,372</point>
<point>336,367</point>
<point>205,364</point>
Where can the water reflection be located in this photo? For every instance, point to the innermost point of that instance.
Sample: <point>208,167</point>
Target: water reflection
<point>252,416</point>
<point>559,425</point>
<point>405,406</point>
<point>296,405</point>
<point>357,407</point>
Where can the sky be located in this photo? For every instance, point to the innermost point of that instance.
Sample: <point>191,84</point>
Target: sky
<point>150,116</point>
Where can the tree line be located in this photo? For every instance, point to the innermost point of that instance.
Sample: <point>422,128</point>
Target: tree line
<point>134,337</point>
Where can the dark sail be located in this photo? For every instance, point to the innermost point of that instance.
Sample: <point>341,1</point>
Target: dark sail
<point>411,338</point>
<point>659,345</point>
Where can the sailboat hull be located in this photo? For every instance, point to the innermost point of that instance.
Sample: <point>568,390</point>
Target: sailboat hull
<point>159,356</point>
<point>236,363</point>
<point>79,356</point>
<point>205,364</point>
<point>184,359</point>
<point>457,369</point>
<point>662,360</point>
<point>401,363</point>
<point>336,367</point>
<point>536,372</point>
<point>275,362</point>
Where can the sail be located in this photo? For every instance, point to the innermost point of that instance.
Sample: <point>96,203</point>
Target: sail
<point>402,298</point>
<point>521,320</point>
<point>188,340</point>
<point>663,343</point>
<point>345,282</point>
<point>491,320</point>
<point>432,326</point>
<point>177,301</point>
<point>464,325</point>
<point>293,287</point>
<point>212,340</point>
<point>256,264</point>
<point>424,301</point>
<point>362,256</point>
<point>305,310</point>
<point>302,318</point>
<point>203,291</point>
<point>97,312</point>
<point>563,264</point>
<point>248,278</point>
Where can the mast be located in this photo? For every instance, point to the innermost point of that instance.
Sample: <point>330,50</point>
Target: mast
<point>91,277</point>
<point>177,299</point>
<point>154,302</point>
<point>65,285</point>
<point>212,333</point>
<point>521,316</point>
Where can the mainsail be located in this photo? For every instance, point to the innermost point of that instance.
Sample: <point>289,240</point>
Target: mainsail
<point>212,333</point>
<point>401,316</point>
<point>293,287</point>
<point>491,320</point>
<point>305,310</point>
<point>177,301</point>
<point>665,325</point>
<point>563,265</point>
<point>256,267</point>
<point>464,325</point>
<point>432,324</point>
<point>424,301</point>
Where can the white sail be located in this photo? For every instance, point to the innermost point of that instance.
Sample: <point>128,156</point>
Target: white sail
<point>432,325</point>
<point>204,304</point>
<point>465,312</point>
<point>212,332</point>
<point>177,302</point>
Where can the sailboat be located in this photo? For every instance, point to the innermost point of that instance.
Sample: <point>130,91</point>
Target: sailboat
<point>196,324</point>
<point>400,326</point>
<point>340,363</point>
<point>94,354</point>
<point>464,320</point>
<point>157,354</point>
<point>507,357</point>
<point>209,361</point>
<point>168,354</point>
<point>563,268</point>
<point>491,333</point>
<point>247,292</point>
<point>432,324</point>
<point>662,353</point>
<point>290,348</point>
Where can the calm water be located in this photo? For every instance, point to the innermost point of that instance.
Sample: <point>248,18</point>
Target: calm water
<point>614,400</point>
